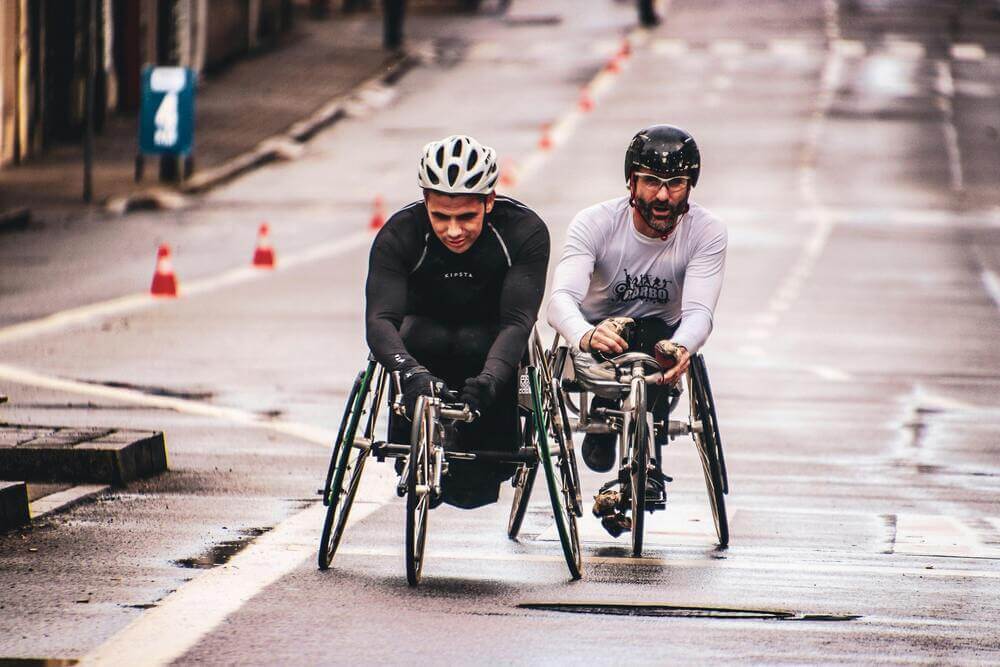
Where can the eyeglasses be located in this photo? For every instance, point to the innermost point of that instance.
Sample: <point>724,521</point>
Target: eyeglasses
<point>654,183</point>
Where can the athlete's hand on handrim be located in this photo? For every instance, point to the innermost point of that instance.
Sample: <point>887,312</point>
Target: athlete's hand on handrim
<point>607,336</point>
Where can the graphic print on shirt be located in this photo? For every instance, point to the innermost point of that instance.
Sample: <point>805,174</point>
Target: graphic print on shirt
<point>642,288</point>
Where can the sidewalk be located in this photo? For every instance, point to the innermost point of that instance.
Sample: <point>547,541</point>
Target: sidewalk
<point>254,99</point>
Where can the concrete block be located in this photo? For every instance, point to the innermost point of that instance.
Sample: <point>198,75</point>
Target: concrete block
<point>13,505</point>
<point>96,456</point>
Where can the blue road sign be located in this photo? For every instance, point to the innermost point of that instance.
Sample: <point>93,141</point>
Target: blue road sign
<point>166,117</point>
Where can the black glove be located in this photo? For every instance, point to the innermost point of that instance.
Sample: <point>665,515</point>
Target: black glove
<point>418,381</point>
<point>480,391</point>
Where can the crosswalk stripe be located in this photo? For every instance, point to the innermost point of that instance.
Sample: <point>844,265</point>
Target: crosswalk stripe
<point>967,52</point>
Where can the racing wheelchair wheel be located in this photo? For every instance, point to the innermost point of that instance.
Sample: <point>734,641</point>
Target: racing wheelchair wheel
<point>418,490</point>
<point>561,490</point>
<point>709,444</point>
<point>638,466</point>
<point>347,462</point>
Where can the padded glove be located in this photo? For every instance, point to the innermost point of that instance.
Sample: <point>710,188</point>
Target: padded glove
<point>667,353</point>
<point>480,391</point>
<point>418,381</point>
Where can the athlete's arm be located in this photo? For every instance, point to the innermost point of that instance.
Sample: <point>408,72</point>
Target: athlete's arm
<point>702,286</point>
<point>385,297</point>
<point>520,299</point>
<point>571,282</point>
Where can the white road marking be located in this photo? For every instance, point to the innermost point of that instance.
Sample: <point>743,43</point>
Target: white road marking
<point>164,633</point>
<point>849,48</point>
<point>307,432</point>
<point>794,48</point>
<point>991,282</point>
<point>727,47</point>
<point>945,86</point>
<point>670,47</point>
<point>931,535</point>
<point>967,52</point>
<point>732,562</point>
<point>830,373</point>
<point>134,302</point>
<point>56,501</point>
<point>906,49</point>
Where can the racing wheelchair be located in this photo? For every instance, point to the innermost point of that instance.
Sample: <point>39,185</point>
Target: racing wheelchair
<point>546,443</point>
<point>626,376</point>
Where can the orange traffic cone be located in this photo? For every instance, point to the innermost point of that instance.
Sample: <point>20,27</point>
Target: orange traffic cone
<point>164,280</point>
<point>545,142</point>
<point>508,173</point>
<point>586,101</point>
<point>263,256</point>
<point>378,214</point>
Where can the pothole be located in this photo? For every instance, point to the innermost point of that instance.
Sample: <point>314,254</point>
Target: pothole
<point>680,611</point>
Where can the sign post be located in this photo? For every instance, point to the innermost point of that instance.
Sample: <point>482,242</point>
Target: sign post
<point>166,116</point>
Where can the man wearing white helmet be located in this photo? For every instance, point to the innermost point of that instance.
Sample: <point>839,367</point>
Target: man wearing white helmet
<point>455,281</point>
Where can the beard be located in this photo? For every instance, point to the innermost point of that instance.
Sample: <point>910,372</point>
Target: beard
<point>664,226</point>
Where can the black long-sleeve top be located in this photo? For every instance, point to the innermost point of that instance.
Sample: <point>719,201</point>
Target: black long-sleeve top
<point>500,279</point>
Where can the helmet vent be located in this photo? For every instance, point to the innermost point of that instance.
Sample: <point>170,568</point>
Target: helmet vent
<point>452,174</point>
<point>440,157</point>
<point>473,159</point>
<point>456,150</point>
<point>472,182</point>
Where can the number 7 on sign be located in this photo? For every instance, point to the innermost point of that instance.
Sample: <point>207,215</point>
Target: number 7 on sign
<point>166,120</point>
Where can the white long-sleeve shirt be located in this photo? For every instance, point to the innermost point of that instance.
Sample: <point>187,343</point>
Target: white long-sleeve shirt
<point>609,269</point>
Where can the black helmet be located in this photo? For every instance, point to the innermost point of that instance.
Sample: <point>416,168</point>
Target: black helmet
<point>664,150</point>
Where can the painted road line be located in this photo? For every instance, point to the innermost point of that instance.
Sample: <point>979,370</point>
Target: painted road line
<point>135,302</point>
<point>935,535</point>
<point>732,562</point>
<point>65,499</point>
<point>906,49</point>
<point>669,47</point>
<point>991,283</point>
<point>164,633</point>
<point>307,432</point>
<point>967,52</point>
<point>727,48</point>
<point>794,48</point>
<point>849,48</point>
<point>945,85</point>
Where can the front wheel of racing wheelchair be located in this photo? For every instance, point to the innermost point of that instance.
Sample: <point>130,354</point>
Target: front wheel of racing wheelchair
<point>547,428</point>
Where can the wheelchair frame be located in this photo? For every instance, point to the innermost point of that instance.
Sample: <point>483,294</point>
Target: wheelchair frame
<point>425,459</point>
<point>635,429</point>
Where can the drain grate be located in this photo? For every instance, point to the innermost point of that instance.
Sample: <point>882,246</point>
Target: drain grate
<point>679,611</point>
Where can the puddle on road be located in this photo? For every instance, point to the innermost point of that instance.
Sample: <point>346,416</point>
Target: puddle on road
<point>36,662</point>
<point>676,611</point>
<point>221,553</point>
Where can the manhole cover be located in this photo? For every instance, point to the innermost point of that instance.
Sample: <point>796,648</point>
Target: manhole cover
<point>679,611</point>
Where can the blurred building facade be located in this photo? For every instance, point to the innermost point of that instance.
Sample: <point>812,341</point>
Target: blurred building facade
<point>45,51</point>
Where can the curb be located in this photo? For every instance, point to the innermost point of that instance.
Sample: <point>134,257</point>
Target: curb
<point>96,456</point>
<point>15,219</point>
<point>373,93</point>
<point>14,511</point>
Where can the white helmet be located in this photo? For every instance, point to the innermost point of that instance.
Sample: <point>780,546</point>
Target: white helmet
<point>458,165</point>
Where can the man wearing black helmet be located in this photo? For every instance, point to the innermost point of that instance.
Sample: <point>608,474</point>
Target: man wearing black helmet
<point>455,281</point>
<point>643,272</point>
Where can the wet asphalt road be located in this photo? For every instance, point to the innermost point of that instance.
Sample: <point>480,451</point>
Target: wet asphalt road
<point>851,148</point>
